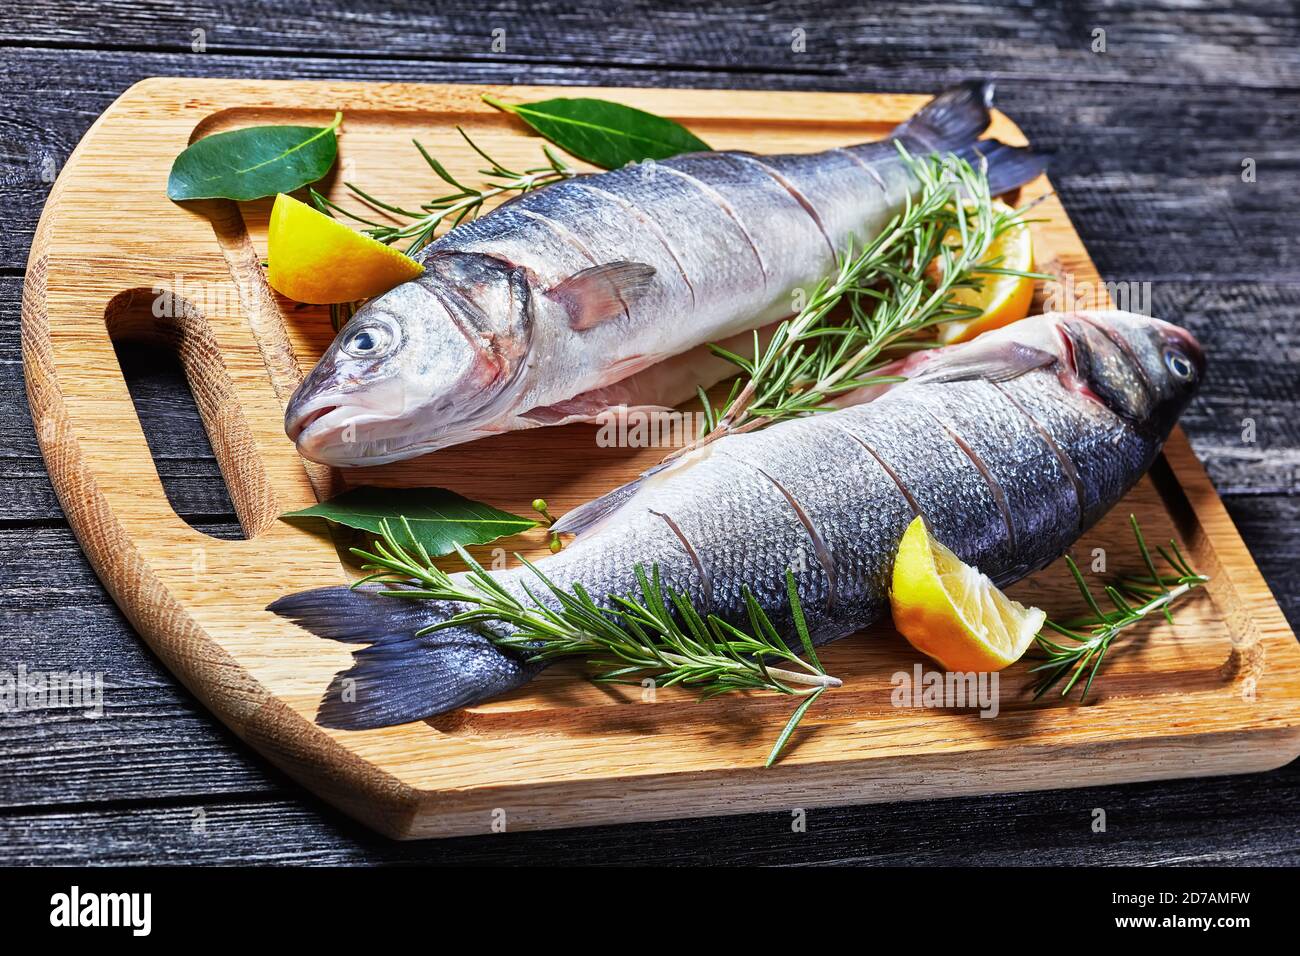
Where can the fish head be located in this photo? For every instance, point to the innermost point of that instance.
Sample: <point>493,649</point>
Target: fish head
<point>431,363</point>
<point>1143,369</point>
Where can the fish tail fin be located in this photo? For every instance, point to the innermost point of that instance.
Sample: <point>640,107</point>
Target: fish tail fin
<point>1009,167</point>
<point>954,118</point>
<point>399,677</point>
<point>953,122</point>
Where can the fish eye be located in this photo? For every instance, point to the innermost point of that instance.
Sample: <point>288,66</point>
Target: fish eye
<point>1179,365</point>
<point>368,341</point>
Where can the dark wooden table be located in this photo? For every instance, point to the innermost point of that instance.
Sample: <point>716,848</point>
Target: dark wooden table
<point>1150,138</point>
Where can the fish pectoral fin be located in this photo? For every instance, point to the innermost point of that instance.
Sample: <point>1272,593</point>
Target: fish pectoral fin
<point>602,292</point>
<point>998,361</point>
<point>588,407</point>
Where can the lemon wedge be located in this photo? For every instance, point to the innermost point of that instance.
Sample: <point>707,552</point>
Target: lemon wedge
<point>314,258</point>
<point>1001,299</point>
<point>953,613</point>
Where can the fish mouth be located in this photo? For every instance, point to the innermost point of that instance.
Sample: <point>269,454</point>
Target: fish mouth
<point>333,423</point>
<point>349,436</point>
<point>356,429</point>
<point>343,430</point>
<point>295,428</point>
<point>333,430</point>
<point>326,434</point>
<point>324,447</point>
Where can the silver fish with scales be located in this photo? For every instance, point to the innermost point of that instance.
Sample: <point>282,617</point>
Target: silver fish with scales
<point>601,291</point>
<point>1009,446</point>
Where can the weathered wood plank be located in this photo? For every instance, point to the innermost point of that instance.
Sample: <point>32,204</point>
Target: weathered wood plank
<point>1185,822</point>
<point>1268,524</point>
<point>1147,207</point>
<point>1116,156</point>
<point>152,741</point>
<point>152,738</point>
<point>1244,45</point>
<point>1243,423</point>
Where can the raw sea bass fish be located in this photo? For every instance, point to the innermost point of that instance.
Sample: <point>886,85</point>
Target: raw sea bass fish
<point>545,310</point>
<point>1010,446</point>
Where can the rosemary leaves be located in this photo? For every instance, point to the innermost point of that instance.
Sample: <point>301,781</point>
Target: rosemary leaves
<point>451,209</point>
<point>897,288</point>
<point>658,634</point>
<point>1133,598</point>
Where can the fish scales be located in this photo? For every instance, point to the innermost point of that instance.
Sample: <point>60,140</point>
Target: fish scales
<point>706,252</point>
<point>603,220</point>
<point>519,235</point>
<point>853,192</point>
<point>697,270</point>
<point>950,492</point>
<point>1102,451</point>
<point>825,496</point>
<point>898,442</point>
<point>1037,494</point>
<point>786,238</point>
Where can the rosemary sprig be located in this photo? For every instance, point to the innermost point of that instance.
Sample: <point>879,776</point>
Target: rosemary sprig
<point>899,286</point>
<point>657,633</point>
<point>452,209</point>
<point>1134,597</point>
<point>464,202</point>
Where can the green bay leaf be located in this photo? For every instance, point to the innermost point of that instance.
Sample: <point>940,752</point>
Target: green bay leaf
<point>254,162</point>
<point>603,133</point>
<point>439,519</point>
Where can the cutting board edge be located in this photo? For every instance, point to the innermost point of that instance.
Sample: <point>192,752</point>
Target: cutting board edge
<point>905,778</point>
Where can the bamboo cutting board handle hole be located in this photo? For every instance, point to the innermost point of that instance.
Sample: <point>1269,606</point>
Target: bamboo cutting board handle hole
<point>143,320</point>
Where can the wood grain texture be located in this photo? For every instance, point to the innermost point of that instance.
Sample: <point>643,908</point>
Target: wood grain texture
<point>1131,166</point>
<point>1242,45</point>
<point>559,752</point>
<point>1021,829</point>
<point>1120,161</point>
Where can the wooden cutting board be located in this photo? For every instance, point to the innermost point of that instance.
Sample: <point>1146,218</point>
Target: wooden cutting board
<point>1218,692</point>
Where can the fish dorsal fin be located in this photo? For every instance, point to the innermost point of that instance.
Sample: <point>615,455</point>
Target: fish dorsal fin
<point>602,292</point>
<point>997,361</point>
<point>586,516</point>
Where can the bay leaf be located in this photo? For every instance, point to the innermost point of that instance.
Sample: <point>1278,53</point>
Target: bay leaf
<point>439,519</point>
<point>254,162</point>
<point>604,133</point>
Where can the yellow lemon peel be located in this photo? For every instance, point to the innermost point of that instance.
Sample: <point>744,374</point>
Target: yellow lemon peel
<point>951,612</point>
<point>314,258</point>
